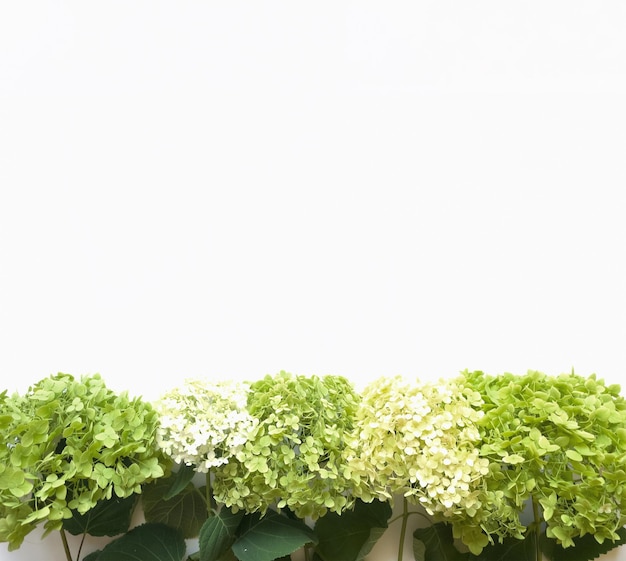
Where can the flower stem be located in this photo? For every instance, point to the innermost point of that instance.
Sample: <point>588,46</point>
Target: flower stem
<point>405,519</point>
<point>80,547</point>
<point>209,494</point>
<point>537,517</point>
<point>408,514</point>
<point>66,546</point>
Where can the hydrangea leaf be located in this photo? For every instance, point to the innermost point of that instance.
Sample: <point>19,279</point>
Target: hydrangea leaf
<point>351,535</point>
<point>269,537</point>
<point>186,511</point>
<point>93,556</point>
<point>435,543</point>
<point>108,518</point>
<point>218,534</point>
<point>148,542</point>
<point>510,548</point>
<point>183,477</point>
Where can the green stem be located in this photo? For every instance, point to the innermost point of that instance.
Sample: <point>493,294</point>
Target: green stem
<point>82,539</point>
<point>80,547</point>
<point>210,503</point>
<point>537,517</point>
<point>66,546</point>
<point>405,519</point>
<point>408,514</point>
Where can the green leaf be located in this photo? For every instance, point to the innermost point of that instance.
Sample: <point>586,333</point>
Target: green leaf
<point>182,478</point>
<point>108,518</point>
<point>269,537</point>
<point>228,556</point>
<point>218,534</point>
<point>93,556</point>
<point>186,511</point>
<point>419,550</point>
<point>351,535</point>
<point>510,548</point>
<point>148,542</point>
<point>437,544</point>
<point>584,549</point>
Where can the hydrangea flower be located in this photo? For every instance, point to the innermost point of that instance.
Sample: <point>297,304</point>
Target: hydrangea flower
<point>418,440</point>
<point>558,442</point>
<point>293,457</point>
<point>67,444</point>
<point>204,424</point>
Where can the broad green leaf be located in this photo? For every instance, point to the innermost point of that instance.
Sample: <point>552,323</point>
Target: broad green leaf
<point>584,549</point>
<point>375,535</point>
<point>108,518</point>
<point>228,556</point>
<point>179,481</point>
<point>419,550</point>
<point>511,548</point>
<point>93,556</point>
<point>218,534</point>
<point>351,535</point>
<point>268,537</point>
<point>437,544</point>
<point>186,511</point>
<point>148,542</point>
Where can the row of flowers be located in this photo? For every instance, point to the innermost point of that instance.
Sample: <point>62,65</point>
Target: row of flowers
<point>534,464</point>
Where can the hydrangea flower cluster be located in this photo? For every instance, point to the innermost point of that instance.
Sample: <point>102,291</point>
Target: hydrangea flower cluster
<point>293,457</point>
<point>204,424</point>
<point>418,440</point>
<point>532,462</point>
<point>67,444</point>
<point>558,442</point>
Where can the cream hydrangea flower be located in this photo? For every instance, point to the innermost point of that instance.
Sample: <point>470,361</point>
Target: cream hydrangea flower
<point>204,423</point>
<point>418,440</point>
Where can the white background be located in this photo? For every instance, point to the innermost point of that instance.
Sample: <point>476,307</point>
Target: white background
<point>230,189</point>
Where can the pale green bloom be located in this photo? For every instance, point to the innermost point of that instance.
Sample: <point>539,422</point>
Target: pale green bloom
<point>204,424</point>
<point>293,457</point>
<point>418,440</point>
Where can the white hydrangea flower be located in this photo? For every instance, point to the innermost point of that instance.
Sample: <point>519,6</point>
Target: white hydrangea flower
<point>204,423</point>
<point>419,440</point>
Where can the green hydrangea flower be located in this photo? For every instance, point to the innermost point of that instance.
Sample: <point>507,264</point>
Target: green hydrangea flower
<point>203,424</point>
<point>293,457</point>
<point>418,440</point>
<point>557,442</point>
<point>67,444</point>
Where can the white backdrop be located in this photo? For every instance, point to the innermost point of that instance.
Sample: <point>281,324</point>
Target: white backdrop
<point>357,188</point>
